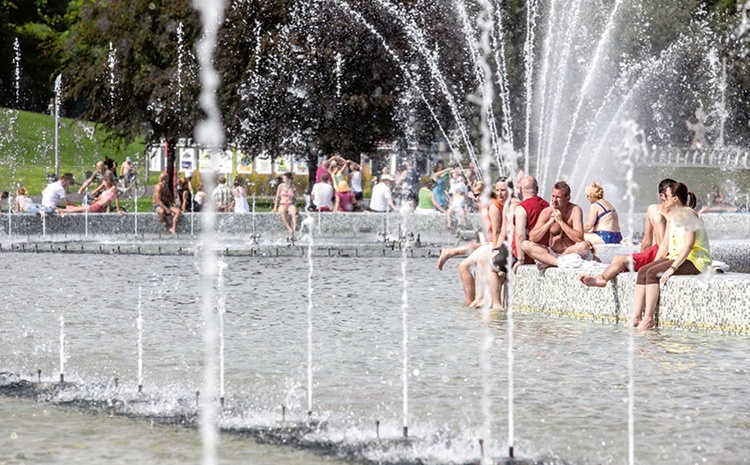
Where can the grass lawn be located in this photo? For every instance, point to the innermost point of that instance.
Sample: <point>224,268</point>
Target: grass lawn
<point>27,149</point>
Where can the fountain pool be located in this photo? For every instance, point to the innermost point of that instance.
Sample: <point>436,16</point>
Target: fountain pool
<point>570,378</point>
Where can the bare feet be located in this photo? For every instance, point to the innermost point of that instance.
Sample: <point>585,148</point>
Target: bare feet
<point>542,266</point>
<point>172,230</point>
<point>444,256</point>
<point>477,303</point>
<point>646,324</point>
<point>594,281</point>
<point>633,322</point>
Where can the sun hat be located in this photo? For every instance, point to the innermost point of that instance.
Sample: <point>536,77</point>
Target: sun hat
<point>386,177</point>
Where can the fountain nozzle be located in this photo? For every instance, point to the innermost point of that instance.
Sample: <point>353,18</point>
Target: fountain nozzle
<point>221,401</point>
<point>377,429</point>
<point>39,375</point>
<point>62,378</point>
<point>406,431</point>
<point>283,412</point>
<point>481,450</point>
<point>140,388</point>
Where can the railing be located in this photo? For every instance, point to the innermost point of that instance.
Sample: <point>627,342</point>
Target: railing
<point>728,157</point>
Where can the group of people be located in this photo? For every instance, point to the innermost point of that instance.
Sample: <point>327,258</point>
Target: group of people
<point>338,186</point>
<point>55,198</point>
<point>189,197</point>
<point>523,228</point>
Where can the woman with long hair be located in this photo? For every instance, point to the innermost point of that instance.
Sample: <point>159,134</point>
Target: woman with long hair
<point>683,251</point>
<point>285,202</point>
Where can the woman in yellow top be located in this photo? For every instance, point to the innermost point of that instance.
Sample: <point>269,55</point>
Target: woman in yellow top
<point>683,251</point>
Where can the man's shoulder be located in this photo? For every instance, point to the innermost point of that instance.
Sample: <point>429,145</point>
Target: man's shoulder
<point>653,213</point>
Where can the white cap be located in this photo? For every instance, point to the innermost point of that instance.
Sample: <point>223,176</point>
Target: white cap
<point>385,177</point>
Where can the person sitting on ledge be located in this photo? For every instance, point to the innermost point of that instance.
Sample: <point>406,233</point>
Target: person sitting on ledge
<point>322,194</point>
<point>656,225</point>
<point>525,219</point>
<point>56,192</point>
<point>381,199</point>
<point>102,202</point>
<point>24,203</point>
<point>563,221</point>
<point>164,204</point>
<point>344,198</point>
<point>285,202</point>
<point>684,250</point>
<point>602,225</point>
<point>95,177</point>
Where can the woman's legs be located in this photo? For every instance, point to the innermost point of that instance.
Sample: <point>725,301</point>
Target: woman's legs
<point>282,212</point>
<point>647,292</point>
<point>639,303</point>
<point>76,208</point>
<point>447,254</point>
<point>293,213</point>
<point>652,300</point>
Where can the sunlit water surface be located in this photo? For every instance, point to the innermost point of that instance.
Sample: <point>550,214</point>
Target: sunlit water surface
<point>693,389</point>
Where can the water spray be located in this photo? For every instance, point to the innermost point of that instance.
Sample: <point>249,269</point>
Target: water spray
<point>62,349</point>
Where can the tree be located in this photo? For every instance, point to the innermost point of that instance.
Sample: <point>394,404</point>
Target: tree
<point>38,26</point>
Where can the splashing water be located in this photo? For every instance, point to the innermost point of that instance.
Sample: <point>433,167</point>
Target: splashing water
<point>139,325</point>
<point>17,71</point>
<point>210,134</point>
<point>308,223</point>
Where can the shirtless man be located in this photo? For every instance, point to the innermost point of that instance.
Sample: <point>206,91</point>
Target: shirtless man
<point>656,225</point>
<point>164,205</point>
<point>563,221</point>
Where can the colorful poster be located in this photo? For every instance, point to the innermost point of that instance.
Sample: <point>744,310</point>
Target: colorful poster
<point>244,163</point>
<point>186,156</point>
<point>282,164</point>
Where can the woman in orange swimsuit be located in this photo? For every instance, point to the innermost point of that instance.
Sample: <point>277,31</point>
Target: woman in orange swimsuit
<point>286,202</point>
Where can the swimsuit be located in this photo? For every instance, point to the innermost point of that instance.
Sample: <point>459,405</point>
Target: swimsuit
<point>609,237</point>
<point>602,214</point>
<point>286,197</point>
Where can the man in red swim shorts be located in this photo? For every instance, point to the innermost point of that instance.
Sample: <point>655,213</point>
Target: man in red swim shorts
<point>656,225</point>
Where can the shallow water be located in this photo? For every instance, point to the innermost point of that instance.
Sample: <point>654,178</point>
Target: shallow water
<point>571,376</point>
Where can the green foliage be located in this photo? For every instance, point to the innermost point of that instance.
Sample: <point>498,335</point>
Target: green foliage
<point>39,26</point>
<point>298,76</point>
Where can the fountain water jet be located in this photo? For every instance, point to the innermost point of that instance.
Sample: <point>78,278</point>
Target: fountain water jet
<point>139,326</point>
<point>210,134</point>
